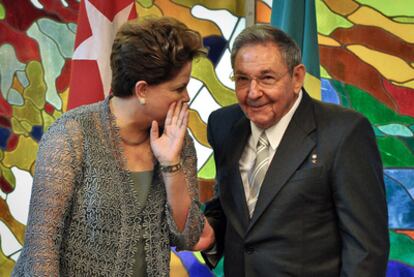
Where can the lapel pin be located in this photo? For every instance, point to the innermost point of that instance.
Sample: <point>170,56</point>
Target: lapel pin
<point>314,158</point>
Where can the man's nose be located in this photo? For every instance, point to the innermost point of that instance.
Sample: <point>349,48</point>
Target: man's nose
<point>254,91</point>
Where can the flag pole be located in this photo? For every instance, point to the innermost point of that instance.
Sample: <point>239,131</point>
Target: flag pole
<point>250,8</point>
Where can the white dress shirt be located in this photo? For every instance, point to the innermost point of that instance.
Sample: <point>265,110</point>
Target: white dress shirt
<point>274,135</point>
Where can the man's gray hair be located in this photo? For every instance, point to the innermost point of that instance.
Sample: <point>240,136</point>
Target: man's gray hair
<point>262,34</point>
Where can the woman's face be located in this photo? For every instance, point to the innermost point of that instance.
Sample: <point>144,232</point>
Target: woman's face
<point>159,97</point>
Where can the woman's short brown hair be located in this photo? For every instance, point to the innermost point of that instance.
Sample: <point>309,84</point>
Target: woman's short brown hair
<point>152,49</point>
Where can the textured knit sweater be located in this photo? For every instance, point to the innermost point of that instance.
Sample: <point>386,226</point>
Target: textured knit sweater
<point>83,219</point>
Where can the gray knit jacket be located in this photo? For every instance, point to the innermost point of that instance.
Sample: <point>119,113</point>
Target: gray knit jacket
<point>83,219</point>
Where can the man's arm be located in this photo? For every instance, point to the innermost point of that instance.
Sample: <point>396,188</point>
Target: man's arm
<point>213,210</point>
<point>359,195</point>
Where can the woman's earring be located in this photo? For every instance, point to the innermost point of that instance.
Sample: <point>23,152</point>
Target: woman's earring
<point>141,100</point>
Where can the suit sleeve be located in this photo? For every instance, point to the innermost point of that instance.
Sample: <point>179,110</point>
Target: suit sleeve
<point>213,210</point>
<point>359,196</point>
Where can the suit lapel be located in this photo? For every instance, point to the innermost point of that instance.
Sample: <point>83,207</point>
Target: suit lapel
<point>293,149</point>
<point>232,191</point>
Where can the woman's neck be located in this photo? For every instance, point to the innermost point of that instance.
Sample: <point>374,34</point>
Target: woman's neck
<point>133,128</point>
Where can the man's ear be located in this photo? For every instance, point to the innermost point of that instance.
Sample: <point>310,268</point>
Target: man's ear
<point>298,79</point>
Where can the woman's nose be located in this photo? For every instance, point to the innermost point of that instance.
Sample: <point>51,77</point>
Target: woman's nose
<point>186,97</point>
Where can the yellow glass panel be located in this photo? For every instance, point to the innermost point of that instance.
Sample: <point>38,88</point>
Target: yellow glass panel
<point>206,28</point>
<point>176,266</point>
<point>204,71</point>
<point>313,86</point>
<point>389,66</point>
<point>370,17</point>
<point>6,265</point>
<point>17,127</point>
<point>144,11</point>
<point>15,226</point>
<point>24,154</point>
<point>28,112</point>
<point>409,84</point>
<point>343,7</point>
<point>198,128</point>
<point>325,40</point>
<point>36,90</point>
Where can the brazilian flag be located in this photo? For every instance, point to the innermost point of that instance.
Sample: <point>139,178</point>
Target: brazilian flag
<point>298,19</point>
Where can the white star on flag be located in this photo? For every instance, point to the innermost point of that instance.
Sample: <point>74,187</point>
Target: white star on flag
<point>91,72</point>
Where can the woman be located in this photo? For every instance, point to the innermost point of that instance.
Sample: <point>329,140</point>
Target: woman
<point>115,182</point>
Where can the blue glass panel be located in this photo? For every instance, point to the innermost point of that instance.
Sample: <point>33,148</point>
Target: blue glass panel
<point>193,266</point>
<point>4,137</point>
<point>400,205</point>
<point>404,176</point>
<point>216,46</point>
<point>37,132</point>
<point>396,269</point>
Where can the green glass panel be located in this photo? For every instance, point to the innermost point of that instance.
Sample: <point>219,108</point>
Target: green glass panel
<point>409,142</point>
<point>145,3</point>
<point>343,96</point>
<point>394,152</point>
<point>219,270</point>
<point>390,8</point>
<point>48,120</point>
<point>404,19</point>
<point>208,170</point>
<point>378,132</point>
<point>396,130</point>
<point>327,20</point>
<point>324,73</point>
<point>8,175</point>
<point>377,112</point>
<point>402,248</point>
<point>60,33</point>
<point>52,61</point>
<point>9,64</point>
<point>2,12</point>
<point>236,7</point>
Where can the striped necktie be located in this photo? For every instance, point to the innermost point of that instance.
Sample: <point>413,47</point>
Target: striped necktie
<point>258,171</point>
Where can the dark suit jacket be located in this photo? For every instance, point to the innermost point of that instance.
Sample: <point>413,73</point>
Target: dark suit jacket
<point>321,209</point>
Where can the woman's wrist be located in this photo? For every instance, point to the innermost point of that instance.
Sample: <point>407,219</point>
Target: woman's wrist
<point>170,168</point>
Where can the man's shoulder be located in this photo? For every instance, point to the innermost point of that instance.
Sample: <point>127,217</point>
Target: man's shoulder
<point>226,114</point>
<point>336,113</point>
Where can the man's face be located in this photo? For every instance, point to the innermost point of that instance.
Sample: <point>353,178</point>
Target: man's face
<point>265,88</point>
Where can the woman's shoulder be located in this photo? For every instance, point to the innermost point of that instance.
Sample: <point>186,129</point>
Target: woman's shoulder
<point>78,115</point>
<point>74,122</point>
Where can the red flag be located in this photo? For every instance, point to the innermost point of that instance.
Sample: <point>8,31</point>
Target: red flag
<point>98,21</point>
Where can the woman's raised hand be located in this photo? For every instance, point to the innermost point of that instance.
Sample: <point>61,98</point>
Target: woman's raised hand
<point>167,147</point>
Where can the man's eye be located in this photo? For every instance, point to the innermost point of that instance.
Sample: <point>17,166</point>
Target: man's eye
<point>268,79</point>
<point>241,78</point>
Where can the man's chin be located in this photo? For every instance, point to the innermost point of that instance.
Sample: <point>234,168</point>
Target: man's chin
<point>260,122</point>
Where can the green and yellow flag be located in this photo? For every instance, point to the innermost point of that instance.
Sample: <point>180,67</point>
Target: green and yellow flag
<point>298,19</point>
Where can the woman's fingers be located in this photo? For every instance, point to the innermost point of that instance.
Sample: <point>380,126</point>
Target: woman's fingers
<point>183,115</point>
<point>170,113</point>
<point>154,133</point>
<point>176,113</point>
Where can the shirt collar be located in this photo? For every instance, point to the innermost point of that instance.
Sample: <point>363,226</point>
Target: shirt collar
<point>275,133</point>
